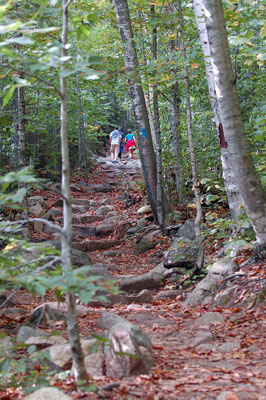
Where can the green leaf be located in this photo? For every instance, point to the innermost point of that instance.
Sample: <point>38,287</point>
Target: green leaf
<point>5,366</point>
<point>31,349</point>
<point>9,95</point>
<point>21,40</point>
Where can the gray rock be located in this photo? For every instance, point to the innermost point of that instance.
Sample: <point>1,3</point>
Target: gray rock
<point>229,347</point>
<point>112,220</point>
<point>168,294</point>
<point>112,214</point>
<point>86,219</point>
<point>144,210</point>
<point>81,202</point>
<point>182,253</point>
<point>93,364</point>
<point>25,332</point>
<point>150,280</point>
<point>44,342</point>
<point>144,296</point>
<point>36,210</point>
<point>187,230</point>
<point>225,296</point>
<point>104,230</point>
<point>76,209</point>
<point>104,210</point>
<point>103,188</point>
<point>34,200</point>
<point>84,231</point>
<point>217,272</point>
<point>44,314</point>
<point>48,393</point>
<point>79,258</point>
<point>234,248</point>
<point>209,318</point>
<point>99,271</point>
<point>61,354</point>
<point>201,338</point>
<point>129,339</point>
<point>107,201</point>
<point>56,212</point>
<point>108,320</point>
<point>91,245</point>
<point>144,245</point>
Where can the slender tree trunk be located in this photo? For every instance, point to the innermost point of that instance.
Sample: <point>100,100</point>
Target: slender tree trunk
<point>232,190</point>
<point>175,128</point>
<point>21,127</point>
<point>145,146</point>
<point>157,131</point>
<point>72,322</point>
<point>232,127</point>
<point>198,220</point>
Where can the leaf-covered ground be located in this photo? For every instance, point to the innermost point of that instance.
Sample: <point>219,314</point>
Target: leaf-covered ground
<point>181,370</point>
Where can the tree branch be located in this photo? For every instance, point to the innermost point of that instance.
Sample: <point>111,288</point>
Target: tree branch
<point>57,228</point>
<point>35,77</point>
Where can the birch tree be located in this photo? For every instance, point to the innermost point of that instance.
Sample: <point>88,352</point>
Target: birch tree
<point>231,120</point>
<point>232,190</point>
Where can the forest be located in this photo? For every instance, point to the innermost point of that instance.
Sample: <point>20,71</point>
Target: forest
<point>143,278</point>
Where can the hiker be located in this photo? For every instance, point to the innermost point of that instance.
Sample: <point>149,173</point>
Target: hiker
<point>121,143</point>
<point>130,143</point>
<point>115,138</point>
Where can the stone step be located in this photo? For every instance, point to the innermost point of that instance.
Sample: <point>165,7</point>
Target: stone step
<point>93,245</point>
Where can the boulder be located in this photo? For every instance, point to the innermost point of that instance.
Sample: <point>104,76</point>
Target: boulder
<point>104,230</point>
<point>150,280</point>
<point>112,214</point>
<point>86,219</point>
<point>208,285</point>
<point>61,354</point>
<point>103,188</point>
<point>25,332</point>
<point>182,253</point>
<point>202,338</point>
<point>84,231</point>
<point>128,339</point>
<point>36,210</point>
<point>144,296</point>
<point>229,347</point>
<point>76,209</point>
<point>91,245</point>
<point>107,201</point>
<point>187,230</point>
<point>209,318</point>
<point>104,210</point>
<point>48,393</point>
<point>44,314</point>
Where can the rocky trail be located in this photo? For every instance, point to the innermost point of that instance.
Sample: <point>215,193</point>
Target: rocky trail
<point>204,344</point>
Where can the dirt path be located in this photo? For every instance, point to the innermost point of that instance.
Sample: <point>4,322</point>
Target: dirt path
<point>232,361</point>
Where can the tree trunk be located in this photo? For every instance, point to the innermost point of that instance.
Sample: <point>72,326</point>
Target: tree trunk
<point>21,126</point>
<point>232,191</point>
<point>72,322</point>
<point>232,127</point>
<point>175,128</point>
<point>157,131</point>
<point>145,146</point>
<point>198,220</point>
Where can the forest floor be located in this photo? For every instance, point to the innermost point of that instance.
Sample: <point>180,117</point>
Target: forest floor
<point>181,370</point>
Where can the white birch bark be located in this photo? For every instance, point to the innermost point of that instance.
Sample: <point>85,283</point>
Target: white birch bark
<point>231,119</point>
<point>232,191</point>
<point>198,219</point>
<point>72,321</point>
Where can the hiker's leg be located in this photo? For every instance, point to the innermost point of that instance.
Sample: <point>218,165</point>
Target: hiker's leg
<point>116,151</point>
<point>112,152</point>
